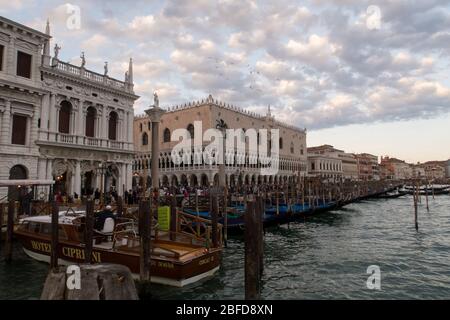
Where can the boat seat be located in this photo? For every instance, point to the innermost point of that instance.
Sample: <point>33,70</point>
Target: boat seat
<point>108,227</point>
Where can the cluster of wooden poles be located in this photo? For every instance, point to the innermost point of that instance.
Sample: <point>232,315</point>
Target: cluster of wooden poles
<point>418,199</point>
<point>309,191</point>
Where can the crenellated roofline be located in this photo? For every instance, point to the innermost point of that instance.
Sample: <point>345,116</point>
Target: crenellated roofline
<point>210,100</point>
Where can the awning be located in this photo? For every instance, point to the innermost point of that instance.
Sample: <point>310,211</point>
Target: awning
<point>26,182</point>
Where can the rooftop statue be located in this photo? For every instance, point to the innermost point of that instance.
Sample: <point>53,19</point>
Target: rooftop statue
<point>156,100</point>
<point>57,48</point>
<point>83,60</point>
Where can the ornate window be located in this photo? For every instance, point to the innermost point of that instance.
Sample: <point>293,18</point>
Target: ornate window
<point>23,64</point>
<point>190,129</point>
<point>292,147</point>
<point>1,57</point>
<point>145,139</point>
<point>281,143</point>
<point>91,114</point>
<point>64,117</point>
<point>19,130</point>
<point>166,135</point>
<point>112,126</point>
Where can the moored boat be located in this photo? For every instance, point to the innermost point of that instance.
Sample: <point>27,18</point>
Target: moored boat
<point>177,258</point>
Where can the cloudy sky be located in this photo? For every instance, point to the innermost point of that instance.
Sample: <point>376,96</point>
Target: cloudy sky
<point>365,76</point>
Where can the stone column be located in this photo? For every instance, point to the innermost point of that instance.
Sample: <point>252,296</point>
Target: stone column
<point>155,114</point>
<point>42,169</point>
<point>53,119</point>
<point>34,126</point>
<point>120,129</point>
<point>11,67</point>
<point>49,169</point>
<point>130,123</point>
<point>80,122</point>
<point>104,126</point>
<point>28,133</point>
<point>119,182</point>
<point>98,181</point>
<point>97,126</point>
<point>6,122</point>
<point>129,175</point>
<point>73,129</point>
<point>44,117</point>
<point>77,184</point>
<point>222,179</point>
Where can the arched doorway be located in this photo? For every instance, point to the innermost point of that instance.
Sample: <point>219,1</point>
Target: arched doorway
<point>194,181</point>
<point>183,180</point>
<point>17,172</point>
<point>216,179</point>
<point>174,182</point>
<point>232,180</point>
<point>204,180</point>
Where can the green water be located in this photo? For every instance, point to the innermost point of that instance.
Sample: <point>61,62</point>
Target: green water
<point>325,257</point>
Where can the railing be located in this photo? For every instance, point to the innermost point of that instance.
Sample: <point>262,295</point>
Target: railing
<point>198,228</point>
<point>91,142</point>
<point>65,138</point>
<point>90,75</point>
<point>115,144</point>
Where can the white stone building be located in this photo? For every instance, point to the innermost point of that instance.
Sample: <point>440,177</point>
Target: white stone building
<point>324,162</point>
<point>60,121</point>
<point>292,146</point>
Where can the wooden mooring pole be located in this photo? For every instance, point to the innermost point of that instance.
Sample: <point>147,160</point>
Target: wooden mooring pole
<point>145,234</point>
<point>9,231</point>
<point>2,210</point>
<point>89,231</point>
<point>225,217</point>
<point>415,198</point>
<point>252,251</point>
<point>173,218</point>
<point>55,236</point>
<point>260,222</point>
<point>119,206</point>
<point>214,220</point>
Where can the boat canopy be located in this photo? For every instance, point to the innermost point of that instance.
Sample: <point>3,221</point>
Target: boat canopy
<point>26,182</point>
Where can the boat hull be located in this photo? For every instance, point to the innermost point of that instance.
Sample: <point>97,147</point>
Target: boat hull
<point>162,270</point>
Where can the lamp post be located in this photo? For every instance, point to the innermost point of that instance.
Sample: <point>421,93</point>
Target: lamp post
<point>103,169</point>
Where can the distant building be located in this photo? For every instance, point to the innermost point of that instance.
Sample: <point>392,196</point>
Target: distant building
<point>448,169</point>
<point>368,167</point>
<point>395,169</point>
<point>349,166</point>
<point>418,171</point>
<point>324,162</point>
<point>434,169</point>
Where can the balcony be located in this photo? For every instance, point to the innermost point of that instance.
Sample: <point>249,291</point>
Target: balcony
<point>74,140</point>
